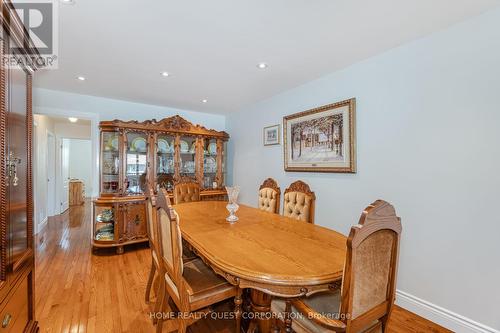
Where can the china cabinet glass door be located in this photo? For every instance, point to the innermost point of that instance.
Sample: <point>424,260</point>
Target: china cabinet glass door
<point>210,163</point>
<point>187,157</point>
<point>110,167</point>
<point>165,161</point>
<point>136,160</point>
<point>104,219</point>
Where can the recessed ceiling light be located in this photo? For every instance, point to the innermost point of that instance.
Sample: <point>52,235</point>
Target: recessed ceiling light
<point>262,65</point>
<point>81,78</point>
<point>68,2</point>
<point>204,100</point>
<point>72,119</point>
<point>165,74</point>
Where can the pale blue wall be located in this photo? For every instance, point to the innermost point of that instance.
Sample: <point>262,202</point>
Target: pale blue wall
<point>428,141</point>
<point>109,109</point>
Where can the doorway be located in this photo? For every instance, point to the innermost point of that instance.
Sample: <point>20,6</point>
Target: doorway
<point>64,175</point>
<point>74,164</point>
<point>80,163</point>
<point>55,156</point>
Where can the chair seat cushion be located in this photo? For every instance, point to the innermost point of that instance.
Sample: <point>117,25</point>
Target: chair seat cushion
<point>327,304</point>
<point>205,284</point>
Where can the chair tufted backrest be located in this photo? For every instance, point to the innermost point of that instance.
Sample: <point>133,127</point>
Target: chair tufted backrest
<point>269,196</point>
<point>186,192</point>
<point>268,200</point>
<point>298,202</point>
<point>298,206</point>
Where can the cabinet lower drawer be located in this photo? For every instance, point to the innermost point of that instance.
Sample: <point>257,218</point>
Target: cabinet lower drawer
<point>14,316</point>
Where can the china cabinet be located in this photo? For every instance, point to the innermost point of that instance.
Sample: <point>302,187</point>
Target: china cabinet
<point>17,251</point>
<point>134,154</point>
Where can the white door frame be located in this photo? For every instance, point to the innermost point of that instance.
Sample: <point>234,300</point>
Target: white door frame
<point>62,183</point>
<point>51,169</point>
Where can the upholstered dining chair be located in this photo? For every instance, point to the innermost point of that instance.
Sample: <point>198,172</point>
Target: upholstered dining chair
<point>269,196</point>
<point>299,202</point>
<point>153,238</point>
<point>192,286</point>
<point>186,190</point>
<point>366,298</point>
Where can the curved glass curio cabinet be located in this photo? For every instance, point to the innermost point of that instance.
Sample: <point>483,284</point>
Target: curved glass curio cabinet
<point>134,154</point>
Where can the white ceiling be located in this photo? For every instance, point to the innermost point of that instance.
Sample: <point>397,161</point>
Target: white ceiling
<point>212,48</point>
<point>64,120</point>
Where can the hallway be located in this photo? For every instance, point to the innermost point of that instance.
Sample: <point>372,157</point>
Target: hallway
<point>79,292</point>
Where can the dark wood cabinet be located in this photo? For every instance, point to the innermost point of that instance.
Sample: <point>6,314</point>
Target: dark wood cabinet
<point>17,313</point>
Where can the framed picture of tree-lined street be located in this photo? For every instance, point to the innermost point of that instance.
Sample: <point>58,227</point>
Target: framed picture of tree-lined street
<point>321,139</point>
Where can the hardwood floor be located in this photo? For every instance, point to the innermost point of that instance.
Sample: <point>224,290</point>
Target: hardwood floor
<point>77,291</point>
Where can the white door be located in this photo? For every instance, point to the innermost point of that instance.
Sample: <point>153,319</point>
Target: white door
<point>64,174</point>
<point>51,175</point>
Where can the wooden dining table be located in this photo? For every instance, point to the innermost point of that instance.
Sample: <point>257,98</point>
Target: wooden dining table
<point>271,254</point>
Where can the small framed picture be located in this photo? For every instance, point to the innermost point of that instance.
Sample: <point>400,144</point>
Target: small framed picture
<point>272,135</point>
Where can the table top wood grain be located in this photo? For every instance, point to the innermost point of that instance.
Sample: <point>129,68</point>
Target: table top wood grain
<point>263,247</point>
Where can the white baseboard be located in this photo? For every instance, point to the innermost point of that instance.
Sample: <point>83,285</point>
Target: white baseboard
<point>441,316</point>
<point>42,225</point>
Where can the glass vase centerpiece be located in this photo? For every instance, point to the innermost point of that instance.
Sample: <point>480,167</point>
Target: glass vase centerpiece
<point>232,206</point>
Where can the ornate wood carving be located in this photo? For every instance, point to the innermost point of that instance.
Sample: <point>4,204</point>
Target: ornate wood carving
<point>134,222</point>
<point>218,177</point>
<point>272,184</point>
<point>174,124</point>
<point>300,186</point>
<point>199,159</point>
<point>185,180</point>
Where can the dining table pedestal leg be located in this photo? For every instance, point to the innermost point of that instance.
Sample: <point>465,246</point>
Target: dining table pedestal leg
<point>261,307</point>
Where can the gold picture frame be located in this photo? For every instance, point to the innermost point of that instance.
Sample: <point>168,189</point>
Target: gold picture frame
<point>272,135</point>
<point>321,139</point>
